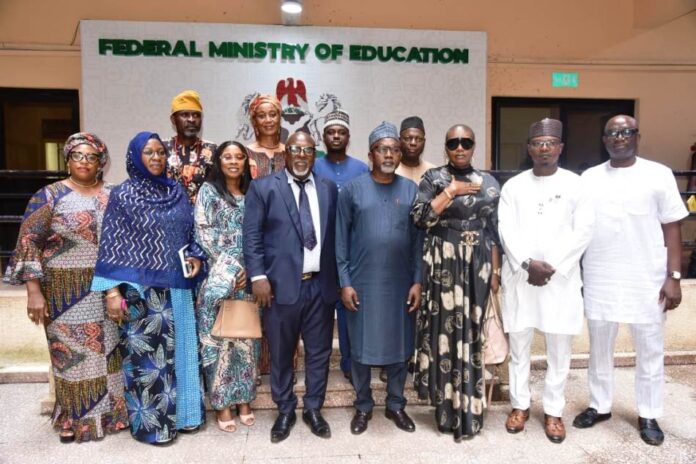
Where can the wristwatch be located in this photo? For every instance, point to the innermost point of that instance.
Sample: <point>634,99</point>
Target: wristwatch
<point>676,275</point>
<point>525,264</point>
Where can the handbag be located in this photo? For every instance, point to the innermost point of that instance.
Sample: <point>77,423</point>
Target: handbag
<point>237,319</point>
<point>495,342</point>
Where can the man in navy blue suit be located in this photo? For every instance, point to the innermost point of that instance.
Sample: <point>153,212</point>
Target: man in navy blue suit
<point>290,258</point>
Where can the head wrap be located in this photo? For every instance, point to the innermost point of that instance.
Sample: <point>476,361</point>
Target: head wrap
<point>147,220</point>
<point>86,138</point>
<point>337,118</point>
<point>546,127</point>
<point>412,122</point>
<point>260,100</point>
<point>188,100</point>
<point>386,130</point>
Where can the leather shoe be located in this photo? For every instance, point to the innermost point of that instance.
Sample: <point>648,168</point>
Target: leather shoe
<point>282,426</point>
<point>589,417</point>
<point>516,419</point>
<point>650,431</point>
<point>554,428</point>
<point>317,423</point>
<point>348,376</point>
<point>359,422</point>
<point>383,375</point>
<point>401,419</point>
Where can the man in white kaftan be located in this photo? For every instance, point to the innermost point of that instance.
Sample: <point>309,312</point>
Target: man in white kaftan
<point>545,224</point>
<point>631,272</point>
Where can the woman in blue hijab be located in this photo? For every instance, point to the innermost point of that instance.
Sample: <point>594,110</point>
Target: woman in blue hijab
<point>148,220</point>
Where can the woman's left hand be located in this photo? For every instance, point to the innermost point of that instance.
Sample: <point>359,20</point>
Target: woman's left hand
<point>495,283</point>
<point>195,266</point>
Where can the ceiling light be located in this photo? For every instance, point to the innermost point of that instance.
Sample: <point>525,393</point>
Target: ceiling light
<point>291,6</point>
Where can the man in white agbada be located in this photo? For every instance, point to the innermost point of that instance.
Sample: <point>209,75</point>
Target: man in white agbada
<point>631,272</point>
<point>545,224</point>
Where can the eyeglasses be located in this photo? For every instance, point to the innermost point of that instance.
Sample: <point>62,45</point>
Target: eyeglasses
<point>544,143</point>
<point>295,150</point>
<point>625,133</point>
<point>152,153</point>
<point>78,156</point>
<point>413,138</point>
<point>384,149</point>
<point>465,142</point>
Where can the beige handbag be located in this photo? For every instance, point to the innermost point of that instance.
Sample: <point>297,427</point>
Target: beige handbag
<point>495,345</point>
<point>237,319</point>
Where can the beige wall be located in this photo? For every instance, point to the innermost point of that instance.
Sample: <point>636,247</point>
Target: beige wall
<point>636,49</point>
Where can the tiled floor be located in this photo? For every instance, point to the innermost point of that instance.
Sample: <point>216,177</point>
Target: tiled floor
<point>25,436</point>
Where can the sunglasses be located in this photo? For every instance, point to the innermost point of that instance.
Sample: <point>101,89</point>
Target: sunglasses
<point>466,143</point>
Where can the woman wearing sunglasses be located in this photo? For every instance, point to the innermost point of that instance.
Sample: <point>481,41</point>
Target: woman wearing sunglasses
<point>457,205</point>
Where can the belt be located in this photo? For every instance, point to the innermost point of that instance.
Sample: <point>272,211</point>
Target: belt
<point>309,275</point>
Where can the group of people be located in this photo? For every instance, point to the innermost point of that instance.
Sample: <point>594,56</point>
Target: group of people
<point>406,253</point>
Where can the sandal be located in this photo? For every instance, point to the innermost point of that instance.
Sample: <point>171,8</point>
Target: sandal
<point>66,434</point>
<point>229,426</point>
<point>247,419</point>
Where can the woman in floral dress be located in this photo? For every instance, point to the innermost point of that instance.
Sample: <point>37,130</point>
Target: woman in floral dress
<point>457,205</point>
<point>230,366</point>
<point>55,256</point>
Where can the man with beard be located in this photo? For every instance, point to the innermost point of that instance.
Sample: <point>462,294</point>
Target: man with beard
<point>631,272</point>
<point>340,168</point>
<point>545,223</point>
<point>290,256</point>
<point>189,156</point>
<point>378,251</point>
<point>412,138</point>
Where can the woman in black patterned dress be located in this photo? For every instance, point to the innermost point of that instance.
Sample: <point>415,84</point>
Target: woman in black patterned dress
<point>457,205</point>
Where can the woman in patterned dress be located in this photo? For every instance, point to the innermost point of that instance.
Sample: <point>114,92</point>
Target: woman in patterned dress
<point>55,256</point>
<point>230,366</point>
<point>457,205</point>
<point>148,220</point>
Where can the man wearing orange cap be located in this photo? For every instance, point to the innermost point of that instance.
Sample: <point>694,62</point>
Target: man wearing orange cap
<point>189,155</point>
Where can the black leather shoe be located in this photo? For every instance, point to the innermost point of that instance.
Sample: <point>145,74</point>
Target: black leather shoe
<point>348,376</point>
<point>282,426</point>
<point>650,432</point>
<point>359,422</point>
<point>401,419</point>
<point>589,417</point>
<point>383,375</point>
<point>317,424</point>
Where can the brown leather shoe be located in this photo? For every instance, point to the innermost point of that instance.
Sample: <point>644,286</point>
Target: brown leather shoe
<point>516,419</point>
<point>554,428</point>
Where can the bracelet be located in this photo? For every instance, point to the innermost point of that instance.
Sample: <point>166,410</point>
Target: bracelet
<point>449,195</point>
<point>496,272</point>
<point>113,294</point>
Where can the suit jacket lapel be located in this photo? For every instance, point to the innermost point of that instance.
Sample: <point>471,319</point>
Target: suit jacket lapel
<point>289,197</point>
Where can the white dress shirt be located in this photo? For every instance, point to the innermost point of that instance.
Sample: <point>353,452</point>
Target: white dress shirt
<point>311,258</point>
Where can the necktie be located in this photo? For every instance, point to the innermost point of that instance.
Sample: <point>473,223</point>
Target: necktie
<point>309,238</point>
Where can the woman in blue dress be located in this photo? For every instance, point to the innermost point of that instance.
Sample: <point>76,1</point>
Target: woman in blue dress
<point>148,220</point>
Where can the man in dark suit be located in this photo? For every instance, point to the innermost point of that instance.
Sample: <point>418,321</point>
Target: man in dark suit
<point>289,252</point>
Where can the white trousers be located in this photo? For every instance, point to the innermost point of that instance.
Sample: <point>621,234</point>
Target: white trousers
<point>648,341</point>
<point>558,350</point>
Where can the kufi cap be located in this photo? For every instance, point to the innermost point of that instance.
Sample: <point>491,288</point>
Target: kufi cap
<point>337,118</point>
<point>386,130</point>
<point>188,100</point>
<point>546,127</point>
<point>412,122</point>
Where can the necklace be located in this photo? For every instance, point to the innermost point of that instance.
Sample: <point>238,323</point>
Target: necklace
<point>81,184</point>
<point>267,147</point>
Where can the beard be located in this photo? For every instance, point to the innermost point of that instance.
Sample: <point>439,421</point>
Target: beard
<point>387,169</point>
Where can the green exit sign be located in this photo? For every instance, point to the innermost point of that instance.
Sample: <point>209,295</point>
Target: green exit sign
<point>564,79</point>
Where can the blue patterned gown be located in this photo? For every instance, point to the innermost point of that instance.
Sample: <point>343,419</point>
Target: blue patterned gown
<point>229,366</point>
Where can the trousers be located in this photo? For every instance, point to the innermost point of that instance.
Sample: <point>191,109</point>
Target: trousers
<point>648,341</point>
<point>558,351</point>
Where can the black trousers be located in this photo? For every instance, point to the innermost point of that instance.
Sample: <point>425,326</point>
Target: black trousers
<point>313,319</point>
